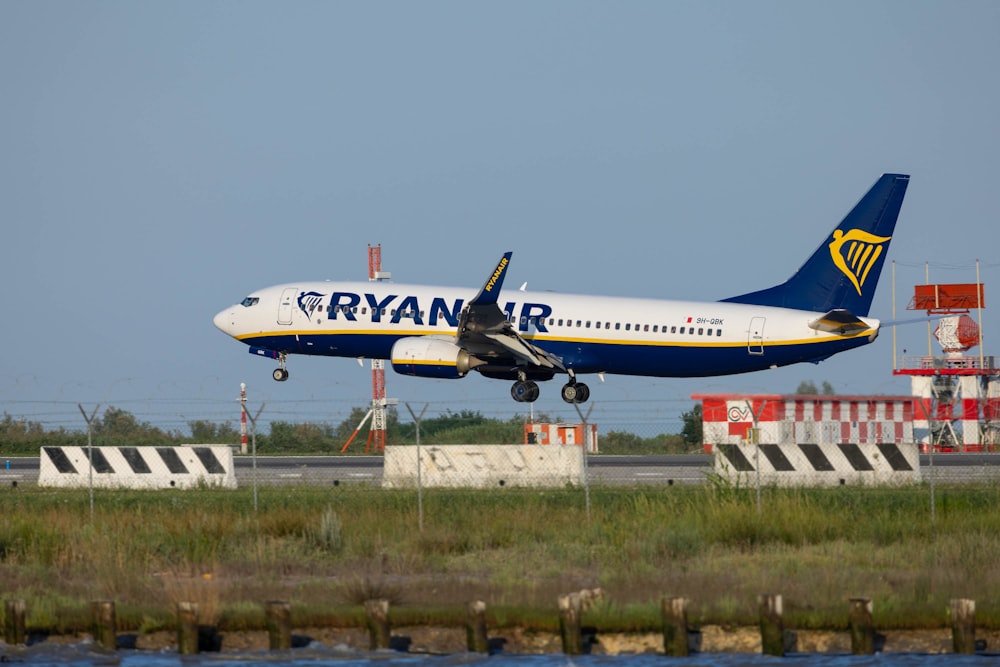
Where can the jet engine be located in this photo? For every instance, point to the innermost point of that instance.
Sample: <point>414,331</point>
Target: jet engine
<point>425,356</point>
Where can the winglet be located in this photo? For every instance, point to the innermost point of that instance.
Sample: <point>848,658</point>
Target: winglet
<point>491,289</point>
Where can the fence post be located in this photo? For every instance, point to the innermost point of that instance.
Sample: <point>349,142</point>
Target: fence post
<point>13,627</point>
<point>675,626</point>
<point>772,625</point>
<point>279,624</point>
<point>377,618</point>
<point>105,626</point>
<point>862,629</point>
<point>570,611</point>
<point>475,627</point>
<point>963,625</point>
<point>187,628</point>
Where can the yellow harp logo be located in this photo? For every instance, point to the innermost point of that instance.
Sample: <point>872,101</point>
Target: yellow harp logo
<point>855,253</point>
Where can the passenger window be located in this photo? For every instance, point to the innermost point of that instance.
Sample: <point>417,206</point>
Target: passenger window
<point>588,324</point>
<point>718,332</point>
<point>578,323</point>
<point>607,325</point>
<point>645,327</point>
<point>628,326</point>
<point>682,329</point>
<point>656,328</point>
<point>618,326</point>
<point>560,321</point>
<point>701,331</point>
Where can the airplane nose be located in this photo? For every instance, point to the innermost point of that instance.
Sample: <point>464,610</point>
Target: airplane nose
<point>223,322</point>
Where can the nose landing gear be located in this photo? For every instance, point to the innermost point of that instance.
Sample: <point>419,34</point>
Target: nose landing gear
<point>280,373</point>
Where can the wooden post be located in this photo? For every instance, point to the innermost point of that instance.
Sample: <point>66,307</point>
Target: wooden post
<point>377,618</point>
<point>187,628</point>
<point>105,629</point>
<point>570,611</point>
<point>963,625</point>
<point>475,627</point>
<point>675,626</point>
<point>279,624</point>
<point>772,625</point>
<point>13,627</point>
<point>861,626</point>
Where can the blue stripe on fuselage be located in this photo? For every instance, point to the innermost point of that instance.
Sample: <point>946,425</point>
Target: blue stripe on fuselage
<point>660,360</point>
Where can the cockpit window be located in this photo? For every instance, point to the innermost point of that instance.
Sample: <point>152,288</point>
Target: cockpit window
<point>249,301</point>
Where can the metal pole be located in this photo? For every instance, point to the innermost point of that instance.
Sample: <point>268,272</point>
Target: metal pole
<point>586,444</point>
<point>420,489</point>
<point>243,418</point>
<point>253,444</point>
<point>756,447</point>
<point>90,453</point>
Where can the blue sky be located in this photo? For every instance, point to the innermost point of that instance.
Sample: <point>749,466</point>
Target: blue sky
<point>160,160</point>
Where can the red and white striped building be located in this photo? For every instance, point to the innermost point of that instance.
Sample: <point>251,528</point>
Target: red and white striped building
<point>804,418</point>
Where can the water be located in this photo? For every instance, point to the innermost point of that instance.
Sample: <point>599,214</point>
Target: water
<point>88,654</point>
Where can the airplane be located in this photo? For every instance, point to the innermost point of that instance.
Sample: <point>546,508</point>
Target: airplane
<point>526,337</point>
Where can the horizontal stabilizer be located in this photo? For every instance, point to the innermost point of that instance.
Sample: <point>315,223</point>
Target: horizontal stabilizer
<point>839,321</point>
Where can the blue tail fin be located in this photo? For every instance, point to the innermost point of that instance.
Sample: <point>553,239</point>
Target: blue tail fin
<point>844,270</point>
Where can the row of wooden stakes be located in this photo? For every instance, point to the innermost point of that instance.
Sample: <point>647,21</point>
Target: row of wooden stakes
<point>192,637</point>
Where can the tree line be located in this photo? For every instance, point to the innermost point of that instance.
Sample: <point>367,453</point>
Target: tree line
<point>119,428</point>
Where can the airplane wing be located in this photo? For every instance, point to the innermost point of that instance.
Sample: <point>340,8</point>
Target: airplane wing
<point>839,321</point>
<point>485,332</point>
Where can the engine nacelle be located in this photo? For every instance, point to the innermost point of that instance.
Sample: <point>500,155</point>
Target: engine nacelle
<point>428,357</point>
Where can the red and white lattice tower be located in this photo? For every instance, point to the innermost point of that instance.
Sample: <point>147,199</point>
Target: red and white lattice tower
<point>956,405</point>
<point>376,436</point>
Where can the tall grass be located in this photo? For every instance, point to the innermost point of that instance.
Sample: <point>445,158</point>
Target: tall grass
<point>325,549</point>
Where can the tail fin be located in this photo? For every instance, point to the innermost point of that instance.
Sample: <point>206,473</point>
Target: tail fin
<point>844,270</point>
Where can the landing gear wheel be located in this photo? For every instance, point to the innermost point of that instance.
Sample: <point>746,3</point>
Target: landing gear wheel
<point>575,392</point>
<point>524,391</point>
<point>280,374</point>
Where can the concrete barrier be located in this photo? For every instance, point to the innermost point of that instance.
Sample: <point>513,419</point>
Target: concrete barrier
<point>828,464</point>
<point>483,466</point>
<point>138,467</point>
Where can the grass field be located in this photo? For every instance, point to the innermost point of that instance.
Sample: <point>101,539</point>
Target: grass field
<point>327,550</point>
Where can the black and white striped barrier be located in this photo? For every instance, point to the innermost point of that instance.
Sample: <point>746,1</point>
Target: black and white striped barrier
<point>828,464</point>
<point>138,467</point>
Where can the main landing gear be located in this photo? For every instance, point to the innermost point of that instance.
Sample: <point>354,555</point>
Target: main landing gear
<point>280,373</point>
<point>575,392</point>
<point>526,391</point>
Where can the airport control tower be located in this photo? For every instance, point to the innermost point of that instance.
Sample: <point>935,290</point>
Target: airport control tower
<point>956,405</point>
